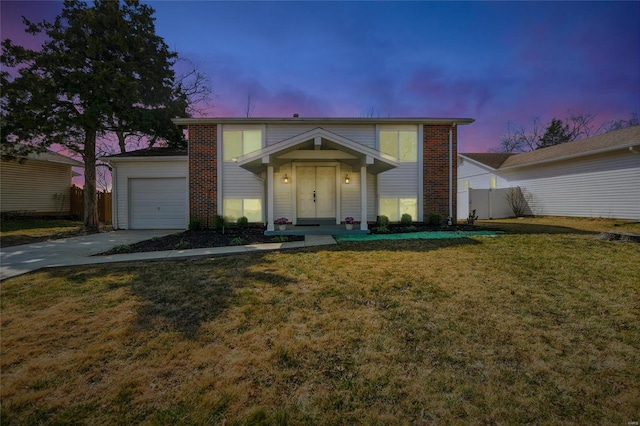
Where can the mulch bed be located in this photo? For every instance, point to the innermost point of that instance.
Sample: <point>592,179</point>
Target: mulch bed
<point>233,236</point>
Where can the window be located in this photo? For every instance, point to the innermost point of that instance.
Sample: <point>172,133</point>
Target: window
<point>234,208</point>
<point>237,143</point>
<point>492,183</point>
<point>394,208</point>
<point>401,144</point>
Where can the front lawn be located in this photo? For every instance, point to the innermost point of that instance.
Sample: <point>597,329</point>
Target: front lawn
<point>18,231</point>
<point>521,328</point>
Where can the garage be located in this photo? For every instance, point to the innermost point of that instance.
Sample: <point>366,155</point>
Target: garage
<point>157,203</point>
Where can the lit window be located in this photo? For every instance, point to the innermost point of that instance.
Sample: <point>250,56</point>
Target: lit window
<point>394,208</point>
<point>493,183</point>
<point>234,208</point>
<point>466,185</point>
<point>237,143</point>
<point>401,144</point>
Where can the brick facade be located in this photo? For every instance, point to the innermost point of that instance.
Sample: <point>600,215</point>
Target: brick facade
<point>203,174</point>
<point>435,148</point>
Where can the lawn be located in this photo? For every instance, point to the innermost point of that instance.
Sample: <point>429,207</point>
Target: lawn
<point>17,231</point>
<point>539,325</point>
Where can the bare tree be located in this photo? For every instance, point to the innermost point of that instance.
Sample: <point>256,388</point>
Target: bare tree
<point>622,123</point>
<point>250,107</point>
<point>520,139</point>
<point>516,201</point>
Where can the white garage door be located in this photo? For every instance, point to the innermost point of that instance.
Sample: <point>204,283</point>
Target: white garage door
<point>158,203</point>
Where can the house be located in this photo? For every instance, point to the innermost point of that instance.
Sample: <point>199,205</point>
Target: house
<point>39,185</point>
<point>309,170</point>
<point>593,177</point>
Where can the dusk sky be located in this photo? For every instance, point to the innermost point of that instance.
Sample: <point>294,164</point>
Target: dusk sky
<point>494,62</point>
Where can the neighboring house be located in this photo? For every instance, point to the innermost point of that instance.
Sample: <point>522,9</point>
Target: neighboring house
<point>39,185</point>
<point>309,170</point>
<point>594,177</point>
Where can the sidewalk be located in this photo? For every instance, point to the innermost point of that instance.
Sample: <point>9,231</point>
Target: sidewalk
<point>19,260</point>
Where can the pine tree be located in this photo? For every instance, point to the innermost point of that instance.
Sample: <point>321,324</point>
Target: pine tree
<point>102,69</point>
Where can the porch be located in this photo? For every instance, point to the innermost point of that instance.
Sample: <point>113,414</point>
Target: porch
<point>323,229</point>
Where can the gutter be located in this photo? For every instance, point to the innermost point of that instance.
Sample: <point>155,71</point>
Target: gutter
<point>450,218</point>
<point>320,120</point>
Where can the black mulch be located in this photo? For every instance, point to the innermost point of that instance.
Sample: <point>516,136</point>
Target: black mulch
<point>232,236</point>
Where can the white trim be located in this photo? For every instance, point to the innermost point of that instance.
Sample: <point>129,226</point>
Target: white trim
<point>219,171</point>
<point>363,198</point>
<point>320,120</point>
<point>270,198</point>
<point>420,174</point>
<point>114,198</point>
<point>153,159</point>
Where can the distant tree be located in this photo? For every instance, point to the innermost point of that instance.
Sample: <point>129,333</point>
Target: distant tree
<point>250,106</point>
<point>622,124</point>
<point>556,133</point>
<point>102,69</point>
<point>521,139</point>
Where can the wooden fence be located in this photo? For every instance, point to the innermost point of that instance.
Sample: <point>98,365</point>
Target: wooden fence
<point>103,204</point>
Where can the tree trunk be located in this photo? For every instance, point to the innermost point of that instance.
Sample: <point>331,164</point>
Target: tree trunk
<point>121,141</point>
<point>90,199</point>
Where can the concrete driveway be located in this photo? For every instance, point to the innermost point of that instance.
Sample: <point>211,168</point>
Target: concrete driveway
<point>69,251</point>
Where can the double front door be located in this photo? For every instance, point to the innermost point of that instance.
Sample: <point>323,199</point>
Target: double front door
<point>316,192</point>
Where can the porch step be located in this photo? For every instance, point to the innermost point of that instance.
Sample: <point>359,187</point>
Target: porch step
<point>315,230</point>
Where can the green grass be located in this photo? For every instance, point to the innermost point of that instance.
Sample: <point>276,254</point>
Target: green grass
<point>532,327</point>
<point>18,231</point>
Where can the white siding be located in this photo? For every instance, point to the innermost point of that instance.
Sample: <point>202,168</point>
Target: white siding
<point>399,182</point>
<point>137,170</point>
<point>35,187</point>
<point>350,194</point>
<point>364,134</point>
<point>372,199</point>
<point>605,186</point>
<point>477,176</point>
<point>282,193</point>
<point>240,183</point>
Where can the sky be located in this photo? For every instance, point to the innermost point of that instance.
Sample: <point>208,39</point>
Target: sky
<point>495,62</point>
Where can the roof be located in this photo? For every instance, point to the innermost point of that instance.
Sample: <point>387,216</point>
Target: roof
<point>610,141</point>
<point>54,157</point>
<point>150,152</point>
<point>321,120</point>
<point>493,160</point>
<point>317,142</point>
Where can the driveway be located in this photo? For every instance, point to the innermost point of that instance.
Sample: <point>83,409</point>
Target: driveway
<point>69,251</point>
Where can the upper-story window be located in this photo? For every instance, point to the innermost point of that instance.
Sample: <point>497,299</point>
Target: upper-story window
<point>237,143</point>
<point>400,143</point>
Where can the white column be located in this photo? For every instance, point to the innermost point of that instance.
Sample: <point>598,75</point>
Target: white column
<point>363,198</point>
<point>270,226</point>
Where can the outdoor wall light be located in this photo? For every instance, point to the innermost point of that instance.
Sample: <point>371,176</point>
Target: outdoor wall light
<point>346,179</point>
<point>285,179</point>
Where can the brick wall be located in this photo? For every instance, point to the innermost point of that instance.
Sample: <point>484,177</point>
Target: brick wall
<point>435,147</point>
<point>203,175</point>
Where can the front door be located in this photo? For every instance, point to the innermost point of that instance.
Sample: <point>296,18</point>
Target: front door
<point>316,192</point>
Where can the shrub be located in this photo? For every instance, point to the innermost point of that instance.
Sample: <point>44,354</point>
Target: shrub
<point>220,222</point>
<point>280,239</point>
<point>238,241</point>
<point>381,230</point>
<point>182,245</point>
<point>383,220</point>
<point>406,220</point>
<point>243,222</point>
<point>195,225</point>
<point>121,249</point>
<point>435,219</point>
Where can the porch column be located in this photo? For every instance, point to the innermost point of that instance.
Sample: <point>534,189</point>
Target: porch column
<point>363,198</point>
<point>270,226</point>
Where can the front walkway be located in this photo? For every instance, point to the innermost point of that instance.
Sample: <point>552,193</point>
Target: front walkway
<point>19,260</point>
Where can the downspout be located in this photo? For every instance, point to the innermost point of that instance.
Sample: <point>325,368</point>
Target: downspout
<point>450,218</point>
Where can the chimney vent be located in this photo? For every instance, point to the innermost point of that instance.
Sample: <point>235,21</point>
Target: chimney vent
<point>295,115</point>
